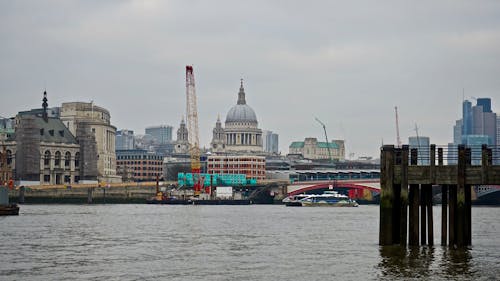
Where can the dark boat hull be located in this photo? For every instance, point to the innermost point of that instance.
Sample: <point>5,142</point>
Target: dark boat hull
<point>9,210</point>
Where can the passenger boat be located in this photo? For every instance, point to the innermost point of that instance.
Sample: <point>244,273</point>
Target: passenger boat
<point>295,200</point>
<point>327,199</point>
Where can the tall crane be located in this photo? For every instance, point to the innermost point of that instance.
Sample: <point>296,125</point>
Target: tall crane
<point>398,139</point>
<point>326,137</point>
<point>192,126</point>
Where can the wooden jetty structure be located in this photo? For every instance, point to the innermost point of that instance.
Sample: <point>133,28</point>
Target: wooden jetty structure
<point>406,187</point>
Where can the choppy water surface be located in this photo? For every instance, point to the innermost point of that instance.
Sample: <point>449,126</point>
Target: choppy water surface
<point>257,242</point>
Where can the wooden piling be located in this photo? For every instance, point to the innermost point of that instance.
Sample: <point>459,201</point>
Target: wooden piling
<point>468,221</point>
<point>89,195</point>
<point>430,220</point>
<point>386,195</point>
<point>403,232</point>
<point>423,215</point>
<point>444,203</point>
<point>452,219</point>
<point>414,205</point>
<point>21,194</point>
<point>444,214</point>
<point>413,215</point>
<point>460,208</point>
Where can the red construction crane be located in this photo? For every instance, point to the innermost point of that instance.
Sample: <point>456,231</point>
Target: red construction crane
<point>193,133</point>
<point>398,139</point>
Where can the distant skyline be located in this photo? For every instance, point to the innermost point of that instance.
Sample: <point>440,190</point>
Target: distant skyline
<point>348,64</point>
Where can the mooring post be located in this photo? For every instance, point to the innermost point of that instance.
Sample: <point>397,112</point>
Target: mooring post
<point>403,232</point>
<point>21,194</point>
<point>423,215</point>
<point>444,203</point>
<point>460,209</point>
<point>414,203</point>
<point>430,219</point>
<point>386,195</point>
<point>444,214</point>
<point>89,195</point>
<point>468,201</point>
<point>452,219</point>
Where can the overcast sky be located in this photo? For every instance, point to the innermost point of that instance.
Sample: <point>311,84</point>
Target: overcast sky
<point>348,63</point>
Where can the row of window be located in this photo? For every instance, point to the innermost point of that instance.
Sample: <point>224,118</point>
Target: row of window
<point>140,162</point>
<point>146,174</point>
<point>236,166</point>
<point>59,179</point>
<point>139,157</point>
<point>58,159</point>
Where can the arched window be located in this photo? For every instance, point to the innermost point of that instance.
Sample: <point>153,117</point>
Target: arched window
<point>46,159</point>
<point>57,161</point>
<point>77,159</point>
<point>67,158</point>
<point>9,157</point>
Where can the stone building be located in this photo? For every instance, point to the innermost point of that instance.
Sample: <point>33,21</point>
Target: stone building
<point>85,115</point>
<point>312,149</point>
<point>241,134</point>
<point>43,151</point>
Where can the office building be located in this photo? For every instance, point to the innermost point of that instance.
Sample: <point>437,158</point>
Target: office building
<point>162,134</point>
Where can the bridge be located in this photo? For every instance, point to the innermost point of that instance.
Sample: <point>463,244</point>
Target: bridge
<point>365,189</point>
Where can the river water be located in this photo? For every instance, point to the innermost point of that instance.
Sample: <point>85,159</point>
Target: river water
<point>255,242</point>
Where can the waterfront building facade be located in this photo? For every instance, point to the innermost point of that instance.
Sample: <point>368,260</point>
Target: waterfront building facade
<point>98,120</point>
<point>252,166</point>
<point>139,165</point>
<point>44,151</point>
<point>312,149</point>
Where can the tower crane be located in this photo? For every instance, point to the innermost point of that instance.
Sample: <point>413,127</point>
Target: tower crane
<point>398,139</point>
<point>326,137</point>
<point>193,133</point>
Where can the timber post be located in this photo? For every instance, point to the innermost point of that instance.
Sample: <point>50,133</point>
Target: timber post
<point>89,195</point>
<point>386,195</point>
<point>414,204</point>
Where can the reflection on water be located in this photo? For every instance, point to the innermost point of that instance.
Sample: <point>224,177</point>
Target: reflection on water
<point>212,243</point>
<point>420,262</point>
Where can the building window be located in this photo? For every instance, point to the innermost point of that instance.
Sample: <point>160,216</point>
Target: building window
<point>67,158</point>
<point>46,159</point>
<point>9,157</point>
<point>77,160</point>
<point>46,178</point>
<point>57,159</point>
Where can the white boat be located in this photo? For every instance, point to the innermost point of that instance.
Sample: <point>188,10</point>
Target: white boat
<point>327,199</point>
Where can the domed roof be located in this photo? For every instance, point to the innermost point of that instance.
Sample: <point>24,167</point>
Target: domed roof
<point>241,112</point>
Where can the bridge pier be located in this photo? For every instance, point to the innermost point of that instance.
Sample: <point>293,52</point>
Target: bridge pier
<point>399,206</point>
